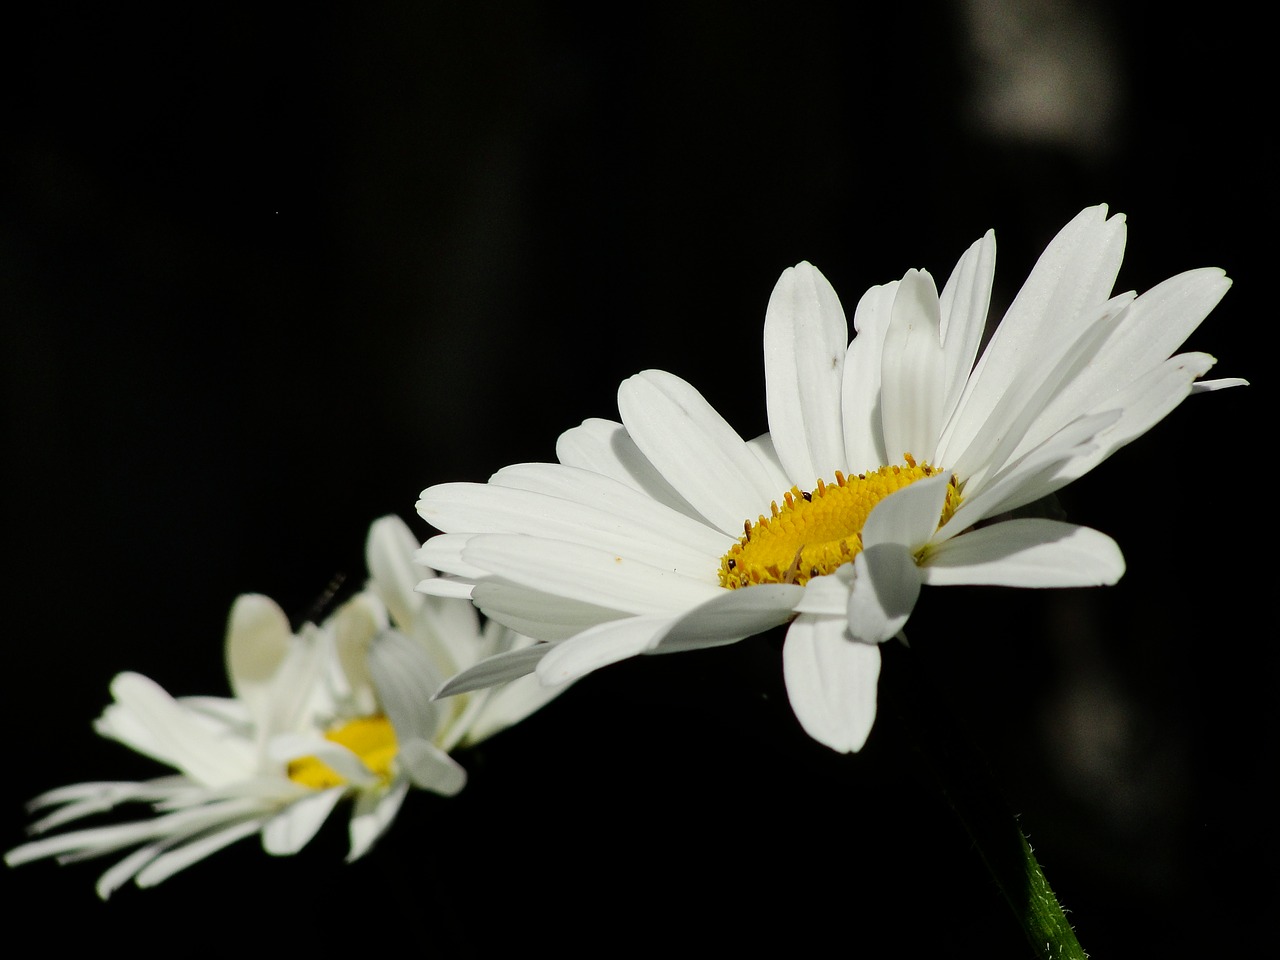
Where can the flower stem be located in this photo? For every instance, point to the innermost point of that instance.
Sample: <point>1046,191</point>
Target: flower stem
<point>962,776</point>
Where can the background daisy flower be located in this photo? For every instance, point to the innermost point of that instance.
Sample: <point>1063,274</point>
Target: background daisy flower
<point>338,711</point>
<point>891,462</point>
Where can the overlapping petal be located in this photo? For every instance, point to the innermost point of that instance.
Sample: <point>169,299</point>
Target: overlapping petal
<point>620,556</point>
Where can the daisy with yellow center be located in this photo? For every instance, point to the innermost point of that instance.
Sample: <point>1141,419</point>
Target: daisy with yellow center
<point>339,711</point>
<point>892,461</point>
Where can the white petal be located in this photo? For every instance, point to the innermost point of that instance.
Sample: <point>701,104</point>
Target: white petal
<point>731,616</point>
<point>257,641</point>
<point>371,815</point>
<point>831,682</point>
<point>1153,328</point>
<point>430,768</point>
<point>286,747</point>
<point>1209,386</point>
<point>827,595</point>
<point>1034,475</point>
<point>589,574</point>
<point>444,553</point>
<point>599,647</point>
<point>167,864</point>
<point>805,340</point>
<point>448,629</point>
<point>293,827</point>
<point>448,588</point>
<point>913,370</point>
<point>1142,405</point>
<point>405,680</point>
<point>499,668</point>
<point>604,447</point>
<point>886,586</point>
<point>147,719</point>
<point>577,507</point>
<point>1026,553</point>
<point>1067,288</point>
<point>83,844</point>
<point>536,613</point>
<point>861,405</point>
<point>122,872</point>
<point>508,704</point>
<point>694,448</point>
<point>762,446</point>
<point>908,516</point>
<point>389,550</point>
<point>352,628</point>
<point>1059,358</point>
<point>964,304</point>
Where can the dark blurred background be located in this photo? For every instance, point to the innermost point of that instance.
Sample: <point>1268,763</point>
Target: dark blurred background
<point>266,272</point>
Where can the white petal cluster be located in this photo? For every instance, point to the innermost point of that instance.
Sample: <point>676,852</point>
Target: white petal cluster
<point>614,551</point>
<point>383,653</point>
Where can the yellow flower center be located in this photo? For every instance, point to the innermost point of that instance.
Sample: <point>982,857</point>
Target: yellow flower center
<point>815,532</point>
<point>372,739</point>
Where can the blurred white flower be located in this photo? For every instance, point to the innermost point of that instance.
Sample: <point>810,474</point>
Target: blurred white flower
<point>668,531</point>
<point>338,711</point>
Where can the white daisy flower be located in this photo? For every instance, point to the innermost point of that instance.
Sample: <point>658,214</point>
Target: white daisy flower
<point>891,462</point>
<point>341,710</point>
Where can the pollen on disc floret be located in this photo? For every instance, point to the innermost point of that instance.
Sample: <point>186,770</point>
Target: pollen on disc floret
<point>372,739</point>
<point>816,531</point>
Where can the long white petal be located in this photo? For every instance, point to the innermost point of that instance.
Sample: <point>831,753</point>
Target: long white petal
<point>908,516</point>
<point>167,864</point>
<point>805,340</point>
<point>430,768</point>
<point>371,815</point>
<point>1063,352</point>
<point>405,679</point>
<point>589,574</point>
<point>1209,386</point>
<point>499,668</point>
<point>886,586</point>
<point>1069,284</point>
<point>731,616</point>
<point>568,503</point>
<point>827,595</point>
<point>1036,474</point>
<point>913,370</point>
<point>508,704</point>
<point>604,447</point>
<point>695,449</point>
<point>861,405</point>
<point>831,682</point>
<point>599,647</point>
<point>293,827</point>
<point>765,451</point>
<point>147,719</point>
<point>1153,327</point>
<point>443,552</point>
<point>449,587</point>
<point>257,641</point>
<point>389,550</point>
<point>536,613</point>
<point>1026,553</point>
<point>964,303</point>
<point>124,870</point>
<point>1142,405</point>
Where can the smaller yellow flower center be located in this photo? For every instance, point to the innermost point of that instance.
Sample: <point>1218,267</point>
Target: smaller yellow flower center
<point>372,739</point>
<point>815,532</point>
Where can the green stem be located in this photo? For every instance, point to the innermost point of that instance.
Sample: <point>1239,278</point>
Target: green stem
<point>1042,916</point>
<point>965,781</point>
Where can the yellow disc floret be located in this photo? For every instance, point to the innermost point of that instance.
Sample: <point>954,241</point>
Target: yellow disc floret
<point>814,532</point>
<point>372,739</point>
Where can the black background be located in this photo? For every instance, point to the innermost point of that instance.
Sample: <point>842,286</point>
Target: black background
<point>268,272</point>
